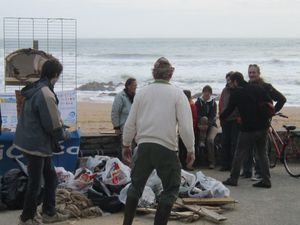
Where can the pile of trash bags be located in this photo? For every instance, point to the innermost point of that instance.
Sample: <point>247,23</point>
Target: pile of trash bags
<point>105,181</point>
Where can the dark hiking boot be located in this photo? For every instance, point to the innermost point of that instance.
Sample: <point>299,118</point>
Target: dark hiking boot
<point>230,182</point>
<point>262,184</point>
<point>129,212</point>
<point>162,214</point>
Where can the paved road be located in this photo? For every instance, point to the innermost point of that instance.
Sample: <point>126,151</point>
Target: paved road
<point>279,205</point>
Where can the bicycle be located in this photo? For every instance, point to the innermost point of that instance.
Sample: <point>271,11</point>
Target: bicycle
<point>286,149</point>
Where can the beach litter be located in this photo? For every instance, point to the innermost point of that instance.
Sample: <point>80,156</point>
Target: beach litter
<point>101,186</point>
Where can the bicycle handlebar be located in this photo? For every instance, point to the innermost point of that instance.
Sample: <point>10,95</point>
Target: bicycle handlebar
<point>281,115</point>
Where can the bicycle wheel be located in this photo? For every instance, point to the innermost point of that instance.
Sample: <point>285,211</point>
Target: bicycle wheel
<point>271,153</point>
<point>291,159</point>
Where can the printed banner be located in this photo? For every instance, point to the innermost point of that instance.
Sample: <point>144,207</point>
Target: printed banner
<point>67,107</point>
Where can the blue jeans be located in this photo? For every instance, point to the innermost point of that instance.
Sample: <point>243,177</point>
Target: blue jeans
<point>39,167</point>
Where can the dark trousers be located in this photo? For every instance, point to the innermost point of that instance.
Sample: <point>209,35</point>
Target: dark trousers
<point>148,157</point>
<point>182,154</point>
<point>251,161</point>
<point>230,131</point>
<point>247,141</point>
<point>39,168</point>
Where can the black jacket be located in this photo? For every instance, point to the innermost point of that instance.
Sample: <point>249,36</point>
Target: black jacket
<point>275,95</point>
<point>207,108</point>
<point>247,99</point>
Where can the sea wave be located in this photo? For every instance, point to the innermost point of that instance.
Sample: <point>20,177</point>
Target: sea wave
<point>119,55</point>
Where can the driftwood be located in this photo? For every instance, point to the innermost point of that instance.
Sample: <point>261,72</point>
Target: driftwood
<point>185,216</point>
<point>208,201</point>
<point>202,211</point>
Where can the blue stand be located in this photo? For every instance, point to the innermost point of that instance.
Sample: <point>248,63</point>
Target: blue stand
<point>67,158</point>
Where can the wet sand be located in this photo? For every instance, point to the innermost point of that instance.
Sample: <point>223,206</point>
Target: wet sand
<point>94,117</point>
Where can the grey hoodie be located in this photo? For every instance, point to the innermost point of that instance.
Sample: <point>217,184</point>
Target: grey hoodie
<point>39,125</point>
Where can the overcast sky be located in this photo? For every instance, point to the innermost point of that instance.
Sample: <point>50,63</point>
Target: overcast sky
<point>166,18</point>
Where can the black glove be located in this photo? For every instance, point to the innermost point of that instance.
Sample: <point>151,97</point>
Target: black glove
<point>57,148</point>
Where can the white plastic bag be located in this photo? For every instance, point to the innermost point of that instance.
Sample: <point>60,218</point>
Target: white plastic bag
<point>147,199</point>
<point>93,162</point>
<point>116,173</point>
<point>83,179</point>
<point>154,182</point>
<point>64,177</point>
<point>208,183</point>
<point>187,182</point>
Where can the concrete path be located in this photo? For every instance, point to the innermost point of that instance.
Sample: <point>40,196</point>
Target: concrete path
<point>279,205</point>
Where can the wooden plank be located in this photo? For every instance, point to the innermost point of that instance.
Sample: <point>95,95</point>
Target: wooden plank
<point>211,215</point>
<point>153,211</point>
<point>186,216</point>
<point>208,201</point>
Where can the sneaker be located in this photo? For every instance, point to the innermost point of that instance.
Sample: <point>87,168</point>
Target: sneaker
<point>230,182</point>
<point>262,184</point>
<point>30,222</point>
<point>256,178</point>
<point>57,217</point>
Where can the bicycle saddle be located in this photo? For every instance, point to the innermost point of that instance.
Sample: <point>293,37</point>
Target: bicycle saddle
<point>288,127</point>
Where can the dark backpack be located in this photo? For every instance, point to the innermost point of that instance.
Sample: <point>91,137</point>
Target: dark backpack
<point>2,205</point>
<point>14,183</point>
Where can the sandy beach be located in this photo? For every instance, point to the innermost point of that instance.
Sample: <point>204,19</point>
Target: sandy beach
<point>94,117</point>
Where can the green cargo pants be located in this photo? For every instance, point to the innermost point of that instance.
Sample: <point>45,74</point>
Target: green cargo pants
<point>148,157</point>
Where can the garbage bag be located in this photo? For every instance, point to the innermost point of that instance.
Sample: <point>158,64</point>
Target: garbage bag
<point>14,184</point>
<point>116,173</point>
<point>83,179</point>
<point>64,177</point>
<point>96,163</point>
<point>2,205</point>
<point>146,200</point>
<point>100,187</point>
<point>154,182</point>
<point>110,204</point>
<point>208,183</point>
<point>187,182</point>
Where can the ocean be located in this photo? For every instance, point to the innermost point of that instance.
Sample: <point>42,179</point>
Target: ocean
<point>197,62</point>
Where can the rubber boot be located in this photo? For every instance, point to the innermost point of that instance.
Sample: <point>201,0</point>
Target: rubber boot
<point>162,214</point>
<point>129,212</point>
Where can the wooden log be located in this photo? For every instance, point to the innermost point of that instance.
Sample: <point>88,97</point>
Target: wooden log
<point>211,215</point>
<point>208,201</point>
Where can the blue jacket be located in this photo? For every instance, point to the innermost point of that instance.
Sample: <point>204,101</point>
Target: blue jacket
<point>39,126</point>
<point>207,108</point>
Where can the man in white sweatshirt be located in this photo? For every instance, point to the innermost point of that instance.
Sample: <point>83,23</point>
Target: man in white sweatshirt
<point>158,112</point>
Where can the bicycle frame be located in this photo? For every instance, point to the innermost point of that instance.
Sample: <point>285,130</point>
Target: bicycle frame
<point>276,141</point>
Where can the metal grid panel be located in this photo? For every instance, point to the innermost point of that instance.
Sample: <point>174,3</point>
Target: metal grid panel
<point>56,36</point>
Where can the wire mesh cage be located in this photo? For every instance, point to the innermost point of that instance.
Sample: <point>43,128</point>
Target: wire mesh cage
<point>55,36</point>
<point>27,44</point>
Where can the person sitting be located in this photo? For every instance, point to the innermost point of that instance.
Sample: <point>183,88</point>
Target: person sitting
<point>207,127</point>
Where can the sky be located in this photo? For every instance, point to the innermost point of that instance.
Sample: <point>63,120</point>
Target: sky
<point>167,18</point>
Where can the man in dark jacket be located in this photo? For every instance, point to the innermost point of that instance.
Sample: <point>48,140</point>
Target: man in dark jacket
<point>0,121</point>
<point>37,135</point>
<point>230,126</point>
<point>254,129</point>
<point>277,97</point>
